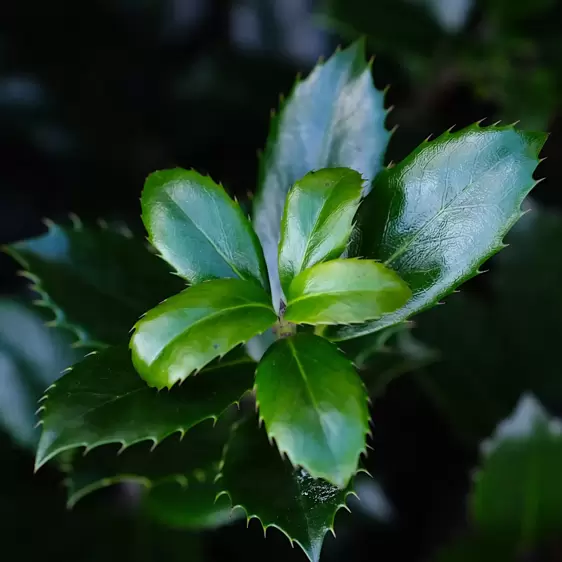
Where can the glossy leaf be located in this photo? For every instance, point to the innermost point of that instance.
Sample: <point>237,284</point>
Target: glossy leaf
<point>517,493</point>
<point>317,220</point>
<point>333,118</point>
<point>97,282</point>
<point>314,405</point>
<point>344,292</point>
<point>269,489</point>
<point>187,331</point>
<point>102,400</point>
<point>31,358</point>
<point>444,210</point>
<point>199,229</point>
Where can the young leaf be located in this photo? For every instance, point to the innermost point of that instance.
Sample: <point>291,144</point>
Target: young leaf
<point>317,221</point>
<point>268,488</point>
<point>314,405</point>
<point>444,210</point>
<point>97,283</point>
<point>517,493</point>
<point>180,459</point>
<point>343,292</point>
<point>333,118</point>
<point>103,400</point>
<point>185,332</point>
<point>199,229</point>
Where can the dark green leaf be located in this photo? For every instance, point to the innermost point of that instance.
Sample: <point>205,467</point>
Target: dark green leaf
<point>333,118</point>
<point>344,291</point>
<point>266,487</point>
<point>32,356</point>
<point>317,220</point>
<point>517,494</point>
<point>187,331</point>
<point>103,400</point>
<point>314,405</point>
<point>180,459</point>
<point>199,229</point>
<point>444,210</point>
<point>97,283</point>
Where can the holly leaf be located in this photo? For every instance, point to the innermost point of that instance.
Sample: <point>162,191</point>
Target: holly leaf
<point>334,118</point>
<point>317,220</point>
<point>102,400</point>
<point>199,229</point>
<point>444,210</point>
<point>97,282</point>
<point>187,331</point>
<point>269,489</point>
<point>314,405</point>
<point>344,291</point>
<point>31,358</point>
<point>517,492</point>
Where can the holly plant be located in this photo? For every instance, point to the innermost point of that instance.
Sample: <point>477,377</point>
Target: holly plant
<point>261,311</point>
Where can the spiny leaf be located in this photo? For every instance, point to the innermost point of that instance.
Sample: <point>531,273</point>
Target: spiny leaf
<point>97,282</point>
<point>102,400</point>
<point>333,118</point>
<point>317,220</point>
<point>517,493</point>
<point>269,489</point>
<point>180,459</point>
<point>344,291</point>
<point>184,333</point>
<point>444,210</point>
<point>199,229</point>
<point>314,405</point>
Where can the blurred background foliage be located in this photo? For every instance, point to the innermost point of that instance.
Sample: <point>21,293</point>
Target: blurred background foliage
<point>94,95</point>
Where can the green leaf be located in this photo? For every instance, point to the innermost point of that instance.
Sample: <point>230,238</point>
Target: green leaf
<point>97,282</point>
<point>517,493</point>
<point>199,229</point>
<point>444,210</point>
<point>187,331</point>
<point>31,358</point>
<point>102,400</point>
<point>344,291</point>
<point>195,506</point>
<point>180,459</point>
<point>334,118</point>
<point>314,405</point>
<point>269,489</point>
<point>317,220</point>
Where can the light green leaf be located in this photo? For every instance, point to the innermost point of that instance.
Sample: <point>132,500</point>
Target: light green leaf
<point>185,332</point>
<point>317,220</point>
<point>344,291</point>
<point>102,400</point>
<point>199,229</point>
<point>97,282</point>
<point>444,210</point>
<point>517,493</point>
<point>31,358</point>
<point>334,118</point>
<point>269,489</point>
<point>314,405</point>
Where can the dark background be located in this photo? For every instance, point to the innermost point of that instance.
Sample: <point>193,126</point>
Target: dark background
<point>96,94</point>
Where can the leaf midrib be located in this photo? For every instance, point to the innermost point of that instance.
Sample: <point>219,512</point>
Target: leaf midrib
<point>336,293</point>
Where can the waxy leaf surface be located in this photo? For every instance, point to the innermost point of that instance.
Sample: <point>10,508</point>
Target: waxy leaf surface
<point>268,488</point>
<point>97,282</point>
<point>187,331</point>
<point>344,291</point>
<point>333,118</point>
<point>102,400</point>
<point>314,405</point>
<point>444,210</point>
<point>199,229</point>
<point>317,221</point>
